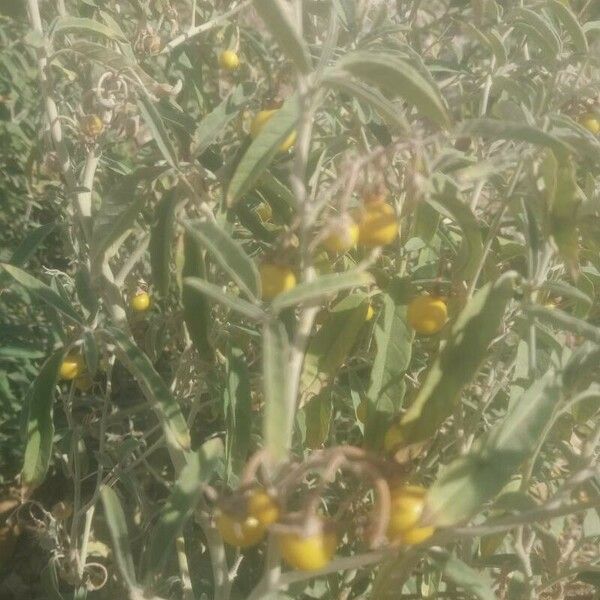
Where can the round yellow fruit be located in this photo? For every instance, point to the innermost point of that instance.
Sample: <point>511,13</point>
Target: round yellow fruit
<point>591,123</point>
<point>72,366</point>
<point>342,238</point>
<point>406,511</point>
<point>248,530</point>
<point>378,225</point>
<point>362,410</point>
<point>261,119</point>
<point>308,553</point>
<point>229,60</point>
<point>275,279</point>
<point>92,125</point>
<point>140,302</point>
<point>427,314</point>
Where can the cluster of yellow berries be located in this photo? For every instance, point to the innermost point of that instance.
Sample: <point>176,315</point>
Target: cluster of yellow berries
<point>313,545</point>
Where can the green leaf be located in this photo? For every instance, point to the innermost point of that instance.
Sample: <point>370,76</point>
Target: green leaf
<point>373,97</point>
<point>457,362</point>
<point>228,253</point>
<point>40,424</point>
<point>154,389</point>
<point>474,582</point>
<point>569,21</point>
<point>463,487</point>
<point>278,418</point>
<point>212,126</point>
<point>517,131</point>
<point>279,19</point>
<point>43,292</point>
<point>90,350</point>
<point>155,123</point>
<point>398,77</point>
<point>470,253</point>
<point>562,200</point>
<point>161,240</point>
<point>234,302</point>
<point>318,412</point>
<point>119,210</point>
<point>262,150</point>
<point>393,339</point>
<point>330,345</point>
<point>319,288</point>
<point>85,26</point>
<point>180,505</point>
<point>117,526</point>
<point>86,294</point>
<point>546,36</point>
<point>238,411</point>
<point>565,321</point>
<point>27,248</point>
<point>196,308</point>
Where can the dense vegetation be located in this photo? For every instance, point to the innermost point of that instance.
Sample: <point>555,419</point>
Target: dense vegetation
<point>299,299</point>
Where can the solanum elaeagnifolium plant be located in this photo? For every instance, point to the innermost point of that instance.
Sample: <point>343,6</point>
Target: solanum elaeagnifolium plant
<point>300,299</point>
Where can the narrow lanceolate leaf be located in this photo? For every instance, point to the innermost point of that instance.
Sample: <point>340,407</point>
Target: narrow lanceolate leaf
<point>393,339</point>
<point>563,320</point>
<point>228,253</point>
<point>154,388</point>
<point>26,249</point>
<point>179,506</point>
<point>90,350</point>
<point>318,413</point>
<point>386,109</point>
<point>470,252</point>
<point>43,292</point>
<point>214,292</point>
<point>462,488</point>
<point>117,526</point>
<point>475,582</point>
<point>237,403</point>
<point>562,200</point>
<point>279,418</point>
<point>262,150</point>
<point>546,33</point>
<point>196,308</point>
<point>86,27</point>
<point>212,125</point>
<point>119,210</point>
<point>40,424</point>
<point>279,19</point>
<point>155,123</point>
<point>161,240</point>
<point>319,288</point>
<point>398,77</point>
<point>457,362</point>
<point>330,346</point>
<point>497,129</point>
<point>569,21</point>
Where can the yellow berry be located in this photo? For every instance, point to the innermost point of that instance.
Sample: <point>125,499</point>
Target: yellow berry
<point>378,225</point>
<point>140,302</point>
<point>406,511</point>
<point>92,125</point>
<point>72,366</point>
<point>261,119</point>
<point>308,553</point>
<point>275,279</point>
<point>362,411</point>
<point>249,529</point>
<point>342,238</point>
<point>591,123</point>
<point>229,60</point>
<point>427,314</point>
